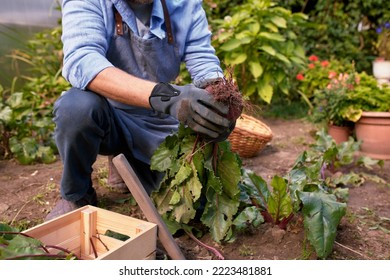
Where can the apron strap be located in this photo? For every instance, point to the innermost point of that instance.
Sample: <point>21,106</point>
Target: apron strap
<point>118,23</point>
<point>167,19</point>
<point>167,22</point>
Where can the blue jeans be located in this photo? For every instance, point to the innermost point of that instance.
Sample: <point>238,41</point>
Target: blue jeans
<point>88,125</point>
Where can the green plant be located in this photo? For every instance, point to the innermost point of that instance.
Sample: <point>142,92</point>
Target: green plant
<point>206,187</point>
<point>342,29</point>
<point>318,74</point>
<point>259,42</point>
<point>200,177</point>
<point>26,126</point>
<point>332,103</point>
<point>15,245</point>
<point>367,96</point>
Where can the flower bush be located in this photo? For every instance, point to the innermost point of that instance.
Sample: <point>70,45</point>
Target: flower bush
<point>318,74</point>
<point>332,103</point>
<point>347,96</point>
<point>383,43</point>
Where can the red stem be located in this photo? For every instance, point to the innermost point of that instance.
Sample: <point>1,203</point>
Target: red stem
<point>52,256</point>
<point>210,248</point>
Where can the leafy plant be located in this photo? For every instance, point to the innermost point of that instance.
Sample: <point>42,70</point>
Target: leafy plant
<point>259,42</point>
<point>318,74</point>
<point>15,245</point>
<point>369,96</point>
<point>26,114</point>
<point>332,103</point>
<point>342,29</point>
<point>200,178</point>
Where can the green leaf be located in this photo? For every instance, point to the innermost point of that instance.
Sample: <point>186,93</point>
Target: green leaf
<point>249,216</point>
<point>279,21</point>
<point>265,92</point>
<point>6,114</point>
<point>231,45</point>
<point>229,172</point>
<point>272,36</point>
<point>15,100</point>
<point>271,27</point>
<point>268,49</point>
<point>162,199</point>
<point>172,225</point>
<point>283,58</point>
<point>184,211</point>
<point>256,69</point>
<point>183,174</point>
<point>261,185</point>
<point>237,58</point>
<point>218,214</point>
<point>279,203</point>
<point>175,198</point>
<point>254,28</point>
<point>195,186</point>
<point>162,158</point>
<point>322,214</point>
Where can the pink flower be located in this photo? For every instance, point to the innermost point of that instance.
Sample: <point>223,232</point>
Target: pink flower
<point>332,74</point>
<point>311,65</point>
<point>313,58</point>
<point>300,77</point>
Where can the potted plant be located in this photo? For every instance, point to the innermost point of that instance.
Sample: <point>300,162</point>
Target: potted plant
<point>381,65</point>
<point>332,106</point>
<point>369,107</point>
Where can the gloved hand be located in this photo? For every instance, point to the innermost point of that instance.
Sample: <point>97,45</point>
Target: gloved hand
<point>193,107</point>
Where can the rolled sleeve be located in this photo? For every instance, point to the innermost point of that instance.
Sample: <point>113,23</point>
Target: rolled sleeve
<point>199,55</point>
<point>85,41</point>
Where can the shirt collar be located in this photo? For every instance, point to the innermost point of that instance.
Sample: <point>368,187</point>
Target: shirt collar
<point>156,22</point>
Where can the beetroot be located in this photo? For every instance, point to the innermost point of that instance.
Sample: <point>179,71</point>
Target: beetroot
<point>227,92</point>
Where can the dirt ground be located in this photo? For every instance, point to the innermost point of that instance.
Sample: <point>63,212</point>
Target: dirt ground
<point>29,192</point>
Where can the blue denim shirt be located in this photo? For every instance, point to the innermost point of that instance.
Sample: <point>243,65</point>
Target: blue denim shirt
<point>88,26</point>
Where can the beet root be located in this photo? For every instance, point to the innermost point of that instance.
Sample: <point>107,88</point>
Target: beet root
<point>227,92</point>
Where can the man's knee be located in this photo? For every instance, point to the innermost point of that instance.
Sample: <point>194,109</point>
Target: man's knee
<point>76,106</point>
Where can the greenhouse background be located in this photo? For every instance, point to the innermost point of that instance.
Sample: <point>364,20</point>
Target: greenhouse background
<point>19,21</point>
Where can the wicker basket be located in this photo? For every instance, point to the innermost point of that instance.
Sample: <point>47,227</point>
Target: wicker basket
<point>249,136</point>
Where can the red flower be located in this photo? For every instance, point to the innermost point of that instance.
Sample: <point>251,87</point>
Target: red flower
<point>300,77</point>
<point>313,58</point>
<point>311,65</point>
<point>324,63</point>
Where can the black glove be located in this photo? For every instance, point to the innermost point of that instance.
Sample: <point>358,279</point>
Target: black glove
<point>193,107</point>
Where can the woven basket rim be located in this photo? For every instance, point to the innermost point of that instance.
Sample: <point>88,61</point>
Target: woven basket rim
<point>253,126</point>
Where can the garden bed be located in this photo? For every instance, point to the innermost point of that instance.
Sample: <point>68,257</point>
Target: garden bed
<point>29,192</point>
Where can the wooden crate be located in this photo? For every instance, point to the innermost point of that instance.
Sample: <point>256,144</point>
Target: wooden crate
<point>78,230</point>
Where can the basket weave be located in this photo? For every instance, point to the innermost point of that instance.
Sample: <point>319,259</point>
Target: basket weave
<point>249,136</point>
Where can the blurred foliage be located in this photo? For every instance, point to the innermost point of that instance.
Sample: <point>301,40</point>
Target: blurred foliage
<point>342,29</point>
<point>26,125</point>
<point>257,40</point>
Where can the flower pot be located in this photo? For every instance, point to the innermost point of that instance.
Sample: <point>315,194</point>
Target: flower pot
<point>339,133</point>
<point>381,71</point>
<point>373,129</point>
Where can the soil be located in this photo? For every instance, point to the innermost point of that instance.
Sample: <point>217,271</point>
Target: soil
<point>28,192</point>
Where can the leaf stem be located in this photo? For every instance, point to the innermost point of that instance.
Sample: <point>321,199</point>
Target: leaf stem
<point>51,256</point>
<point>210,248</point>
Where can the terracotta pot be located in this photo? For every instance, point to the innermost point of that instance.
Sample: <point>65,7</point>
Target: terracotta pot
<point>373,129</point>
<point>339,133</point>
